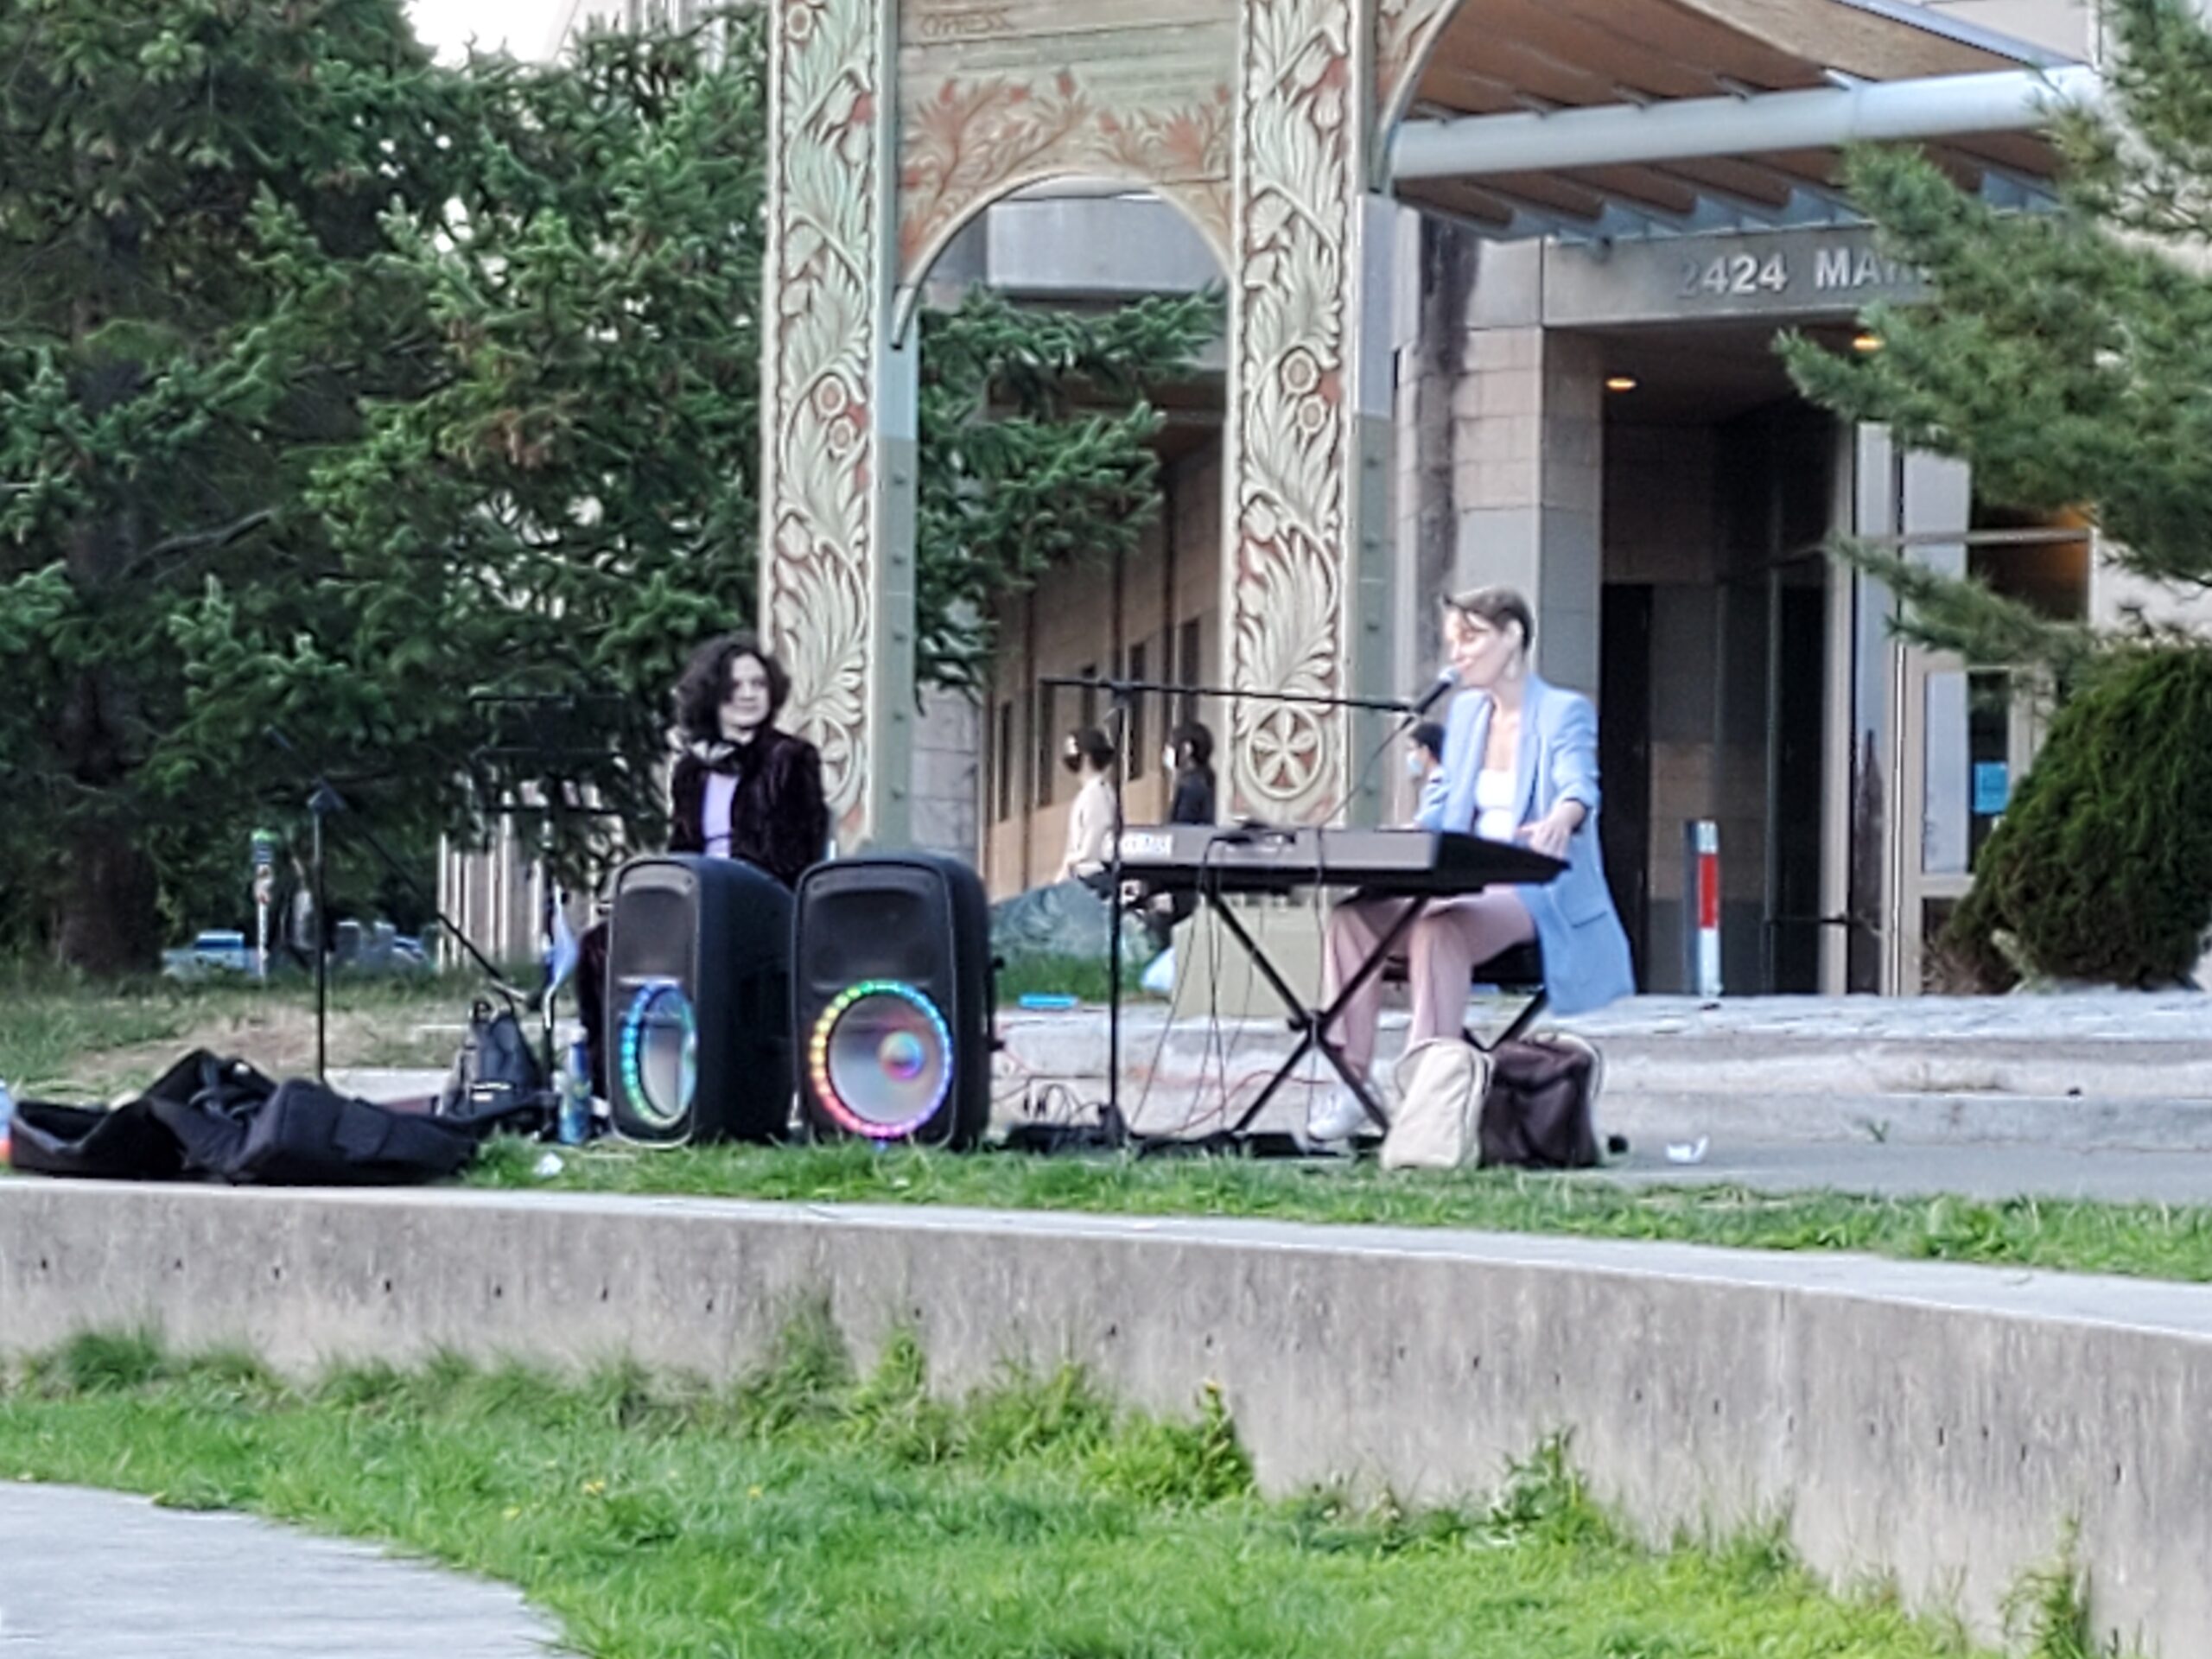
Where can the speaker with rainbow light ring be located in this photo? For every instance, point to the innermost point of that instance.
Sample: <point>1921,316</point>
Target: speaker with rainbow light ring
<point>698,1001</point>
<point>891,987</point>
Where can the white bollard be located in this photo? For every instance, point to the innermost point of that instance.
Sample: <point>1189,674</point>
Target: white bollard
<point>1701,906</point>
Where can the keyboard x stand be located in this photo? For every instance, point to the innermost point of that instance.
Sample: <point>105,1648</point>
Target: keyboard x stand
<point>1308,1022</point>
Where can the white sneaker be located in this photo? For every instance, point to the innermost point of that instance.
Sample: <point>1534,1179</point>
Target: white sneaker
<point>1337,1117</point>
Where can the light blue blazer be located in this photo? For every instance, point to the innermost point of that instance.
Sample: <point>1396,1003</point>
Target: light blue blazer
<point>1586,953</point>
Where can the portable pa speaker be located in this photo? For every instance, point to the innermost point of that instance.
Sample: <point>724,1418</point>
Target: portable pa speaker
<point>698,1000</point>
<point>892,995</point>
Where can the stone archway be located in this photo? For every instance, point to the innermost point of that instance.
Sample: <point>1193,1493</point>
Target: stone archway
<point>891,124</point>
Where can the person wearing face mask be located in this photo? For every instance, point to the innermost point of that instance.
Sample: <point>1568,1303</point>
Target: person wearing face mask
<point>1519,763</point>
<point>739,789</point>
<point>1189,759</point>
<point>1424,757</point>
<point>1190,762</point>
<point>1089,754</point>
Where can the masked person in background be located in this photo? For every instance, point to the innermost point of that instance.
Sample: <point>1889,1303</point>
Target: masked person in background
<point>1424,759</point>
<point>1089,754</point>
<point>1191,800</point>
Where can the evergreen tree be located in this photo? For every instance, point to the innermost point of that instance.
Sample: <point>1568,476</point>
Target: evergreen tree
<point>1020,470</point>
<point>412,412</point>
<point>2066,354</point>
<point>163,387</point>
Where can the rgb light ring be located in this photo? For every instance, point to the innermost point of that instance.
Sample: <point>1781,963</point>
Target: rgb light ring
<point>646,1008</point>
<point>819,1059</point>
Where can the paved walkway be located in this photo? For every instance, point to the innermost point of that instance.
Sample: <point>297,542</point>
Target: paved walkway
<point>2115,1176</point>
<point>97,1575</point>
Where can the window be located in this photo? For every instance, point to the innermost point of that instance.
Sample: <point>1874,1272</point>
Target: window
<point>1139,701</point>
<point>1044,745</point>
<point>1002,763</point>
<point>1186,668</point>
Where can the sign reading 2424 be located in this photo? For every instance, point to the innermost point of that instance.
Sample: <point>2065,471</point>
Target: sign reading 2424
<point>1735,273</point>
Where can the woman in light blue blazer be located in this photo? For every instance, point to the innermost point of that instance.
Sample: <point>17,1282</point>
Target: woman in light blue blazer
<point>1520,764</point>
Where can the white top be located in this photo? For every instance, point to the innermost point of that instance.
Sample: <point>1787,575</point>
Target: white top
<point>1090,829</point>
<point>714,813</point>
<point>1495,817</point>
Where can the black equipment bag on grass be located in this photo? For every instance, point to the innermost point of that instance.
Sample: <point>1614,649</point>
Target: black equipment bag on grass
<point>211,1117</point>
<point>92,1143</point>
<point>129,1142</point>
<point>1542,1108</point>
<point>306,1134</point>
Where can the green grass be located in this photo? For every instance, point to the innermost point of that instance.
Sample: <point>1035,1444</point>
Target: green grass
<point>2145,1241</point>
<point>811,1512</point>
<point>65,1037</point>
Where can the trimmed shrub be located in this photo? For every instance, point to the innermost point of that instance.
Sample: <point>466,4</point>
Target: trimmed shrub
<point>2101,869</point>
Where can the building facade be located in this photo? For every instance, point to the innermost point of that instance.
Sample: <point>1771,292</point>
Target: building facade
<point>1597,416</point>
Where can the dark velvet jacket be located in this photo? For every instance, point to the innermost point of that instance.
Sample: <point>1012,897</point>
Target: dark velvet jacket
<point>778,818</point>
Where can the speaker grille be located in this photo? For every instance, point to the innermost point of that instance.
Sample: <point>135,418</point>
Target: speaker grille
<point>886,932</point>
<point>881,1058</point>
<point>652,939</point>
<point>657,1051</point>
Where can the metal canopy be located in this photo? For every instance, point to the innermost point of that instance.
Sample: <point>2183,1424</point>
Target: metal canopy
<point>1626,117</point>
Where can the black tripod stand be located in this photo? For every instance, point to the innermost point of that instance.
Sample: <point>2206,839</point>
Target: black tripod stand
<point>324,803</point>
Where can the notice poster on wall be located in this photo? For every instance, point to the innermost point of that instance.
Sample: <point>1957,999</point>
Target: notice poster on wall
<point>1993,788</point>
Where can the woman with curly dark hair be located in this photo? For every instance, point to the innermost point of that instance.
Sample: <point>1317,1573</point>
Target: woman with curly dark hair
<point>739,789</point>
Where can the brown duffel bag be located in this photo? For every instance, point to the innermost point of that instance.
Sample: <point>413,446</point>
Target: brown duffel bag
<point>1541,1112</point>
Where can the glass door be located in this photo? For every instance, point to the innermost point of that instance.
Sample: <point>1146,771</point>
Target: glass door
<point>1964,737</point>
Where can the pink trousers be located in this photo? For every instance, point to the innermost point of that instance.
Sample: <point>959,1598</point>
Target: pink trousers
<point>1440,950</point>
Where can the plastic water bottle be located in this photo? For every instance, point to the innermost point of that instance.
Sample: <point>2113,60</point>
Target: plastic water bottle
<point>7,1119</point>
<point>574,1125</point>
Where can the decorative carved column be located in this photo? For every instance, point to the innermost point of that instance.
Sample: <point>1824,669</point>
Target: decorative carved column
<point>1306,565</point>
<point>837,411</point>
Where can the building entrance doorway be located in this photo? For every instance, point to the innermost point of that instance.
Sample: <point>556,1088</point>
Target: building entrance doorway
<point>1721,490</point>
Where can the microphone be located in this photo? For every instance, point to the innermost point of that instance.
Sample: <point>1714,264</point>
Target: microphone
<point>1446,680</point>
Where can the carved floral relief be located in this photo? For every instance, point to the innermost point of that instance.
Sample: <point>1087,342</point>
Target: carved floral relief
<point>819,567</point>
<point>973,140</point>
<point>1404,29</point>
<point>1287,600</point>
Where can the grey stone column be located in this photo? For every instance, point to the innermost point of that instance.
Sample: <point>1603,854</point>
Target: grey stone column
<point>1529,480</point>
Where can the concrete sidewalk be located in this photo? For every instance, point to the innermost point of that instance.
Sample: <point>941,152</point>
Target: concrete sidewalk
<point>1988,1173</point>
<point>2092,1072</point>
<point>99,1575</point>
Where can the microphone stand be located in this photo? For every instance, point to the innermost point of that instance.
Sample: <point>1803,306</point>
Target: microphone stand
<point>322,801</point>
<point>1119,715</point>
<point>1123,691</point>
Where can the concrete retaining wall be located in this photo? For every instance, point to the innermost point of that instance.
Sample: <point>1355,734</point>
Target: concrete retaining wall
<point>1933,1423</point>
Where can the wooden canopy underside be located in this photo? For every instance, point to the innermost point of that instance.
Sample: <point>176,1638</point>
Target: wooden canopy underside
<point>1503,57</point>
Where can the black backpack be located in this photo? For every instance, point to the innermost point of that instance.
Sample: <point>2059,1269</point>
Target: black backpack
<point>497,1082</point>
